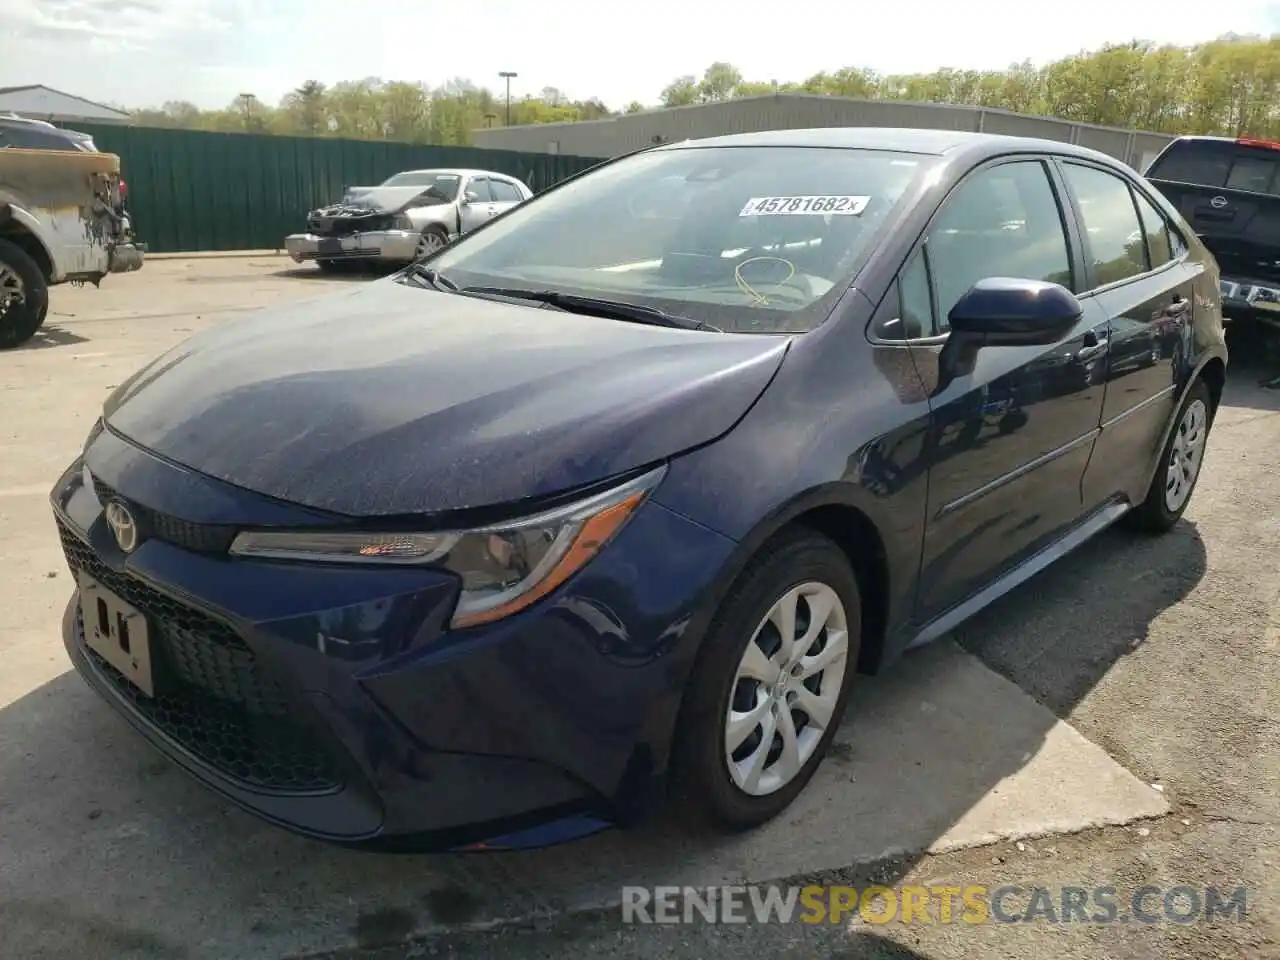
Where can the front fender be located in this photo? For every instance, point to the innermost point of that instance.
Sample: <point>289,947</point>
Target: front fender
<point>11,212</point>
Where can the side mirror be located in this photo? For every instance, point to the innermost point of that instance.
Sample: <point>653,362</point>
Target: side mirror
<point>471,197</point>
<point>1004,311</point>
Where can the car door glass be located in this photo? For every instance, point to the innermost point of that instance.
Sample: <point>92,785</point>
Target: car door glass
<point>1159,246</point>
<point>478,191</point>
<point>504,192</point>
<point>1001,222</point>
<point>1113,235</point>
<point>916,300</point>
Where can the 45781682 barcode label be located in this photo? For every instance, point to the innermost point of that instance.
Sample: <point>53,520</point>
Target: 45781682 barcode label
<point>844,206</point>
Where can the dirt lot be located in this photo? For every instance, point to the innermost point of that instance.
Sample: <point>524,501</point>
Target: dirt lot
<point>1023,750</point>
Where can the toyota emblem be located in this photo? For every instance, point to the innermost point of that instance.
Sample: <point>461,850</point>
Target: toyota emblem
<point>123,527</point>
<point>1218,203</point>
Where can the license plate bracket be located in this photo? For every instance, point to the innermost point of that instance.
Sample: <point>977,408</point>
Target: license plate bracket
<point>118,632</point>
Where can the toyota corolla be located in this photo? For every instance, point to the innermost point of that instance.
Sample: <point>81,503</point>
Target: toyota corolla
<point>611,498</point>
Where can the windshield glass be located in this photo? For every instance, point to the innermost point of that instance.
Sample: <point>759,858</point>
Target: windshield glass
<point>442,185</point>
<point>747,239</point>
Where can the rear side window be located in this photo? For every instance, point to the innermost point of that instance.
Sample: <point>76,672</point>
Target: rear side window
<point>1220,163</point>
<point>1113,233</point>
<point>1156,229</point>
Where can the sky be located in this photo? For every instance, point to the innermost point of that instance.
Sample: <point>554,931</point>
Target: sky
<point>140,53</point>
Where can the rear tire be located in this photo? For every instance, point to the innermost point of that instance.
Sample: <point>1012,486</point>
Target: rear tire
<point>20,276</point>
<point>712,779</point>
<point>1180,465</point>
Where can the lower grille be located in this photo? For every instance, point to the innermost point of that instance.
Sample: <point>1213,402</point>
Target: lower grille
<point>345,226</point>
<point>215,698</point>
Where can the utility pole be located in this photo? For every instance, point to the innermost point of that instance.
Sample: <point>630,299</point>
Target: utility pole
<point>507,75</point>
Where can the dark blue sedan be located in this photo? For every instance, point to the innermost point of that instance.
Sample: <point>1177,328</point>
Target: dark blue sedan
<point>612,497</point>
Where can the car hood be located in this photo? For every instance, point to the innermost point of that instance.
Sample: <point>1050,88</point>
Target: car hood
<point>393,399</point>
<point>379,199</point>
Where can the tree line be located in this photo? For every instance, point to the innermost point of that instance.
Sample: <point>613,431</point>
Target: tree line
<point>1229,86</point>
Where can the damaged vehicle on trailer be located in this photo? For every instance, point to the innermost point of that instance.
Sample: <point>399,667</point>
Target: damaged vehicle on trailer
<point>61,221</point>
<point>405,218</point>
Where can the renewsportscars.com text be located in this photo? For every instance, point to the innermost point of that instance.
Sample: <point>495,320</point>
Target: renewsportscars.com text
<point>939,904</point>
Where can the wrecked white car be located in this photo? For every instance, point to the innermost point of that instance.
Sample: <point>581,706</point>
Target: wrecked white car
<point>404,218</point>
<point>61,220</point>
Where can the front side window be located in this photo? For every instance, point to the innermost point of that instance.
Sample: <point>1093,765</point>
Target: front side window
<point>747,239</point>
<point>1114,236</point>
<point>504,192</point>
<point>1159,246</point>
<point>1001,222</point>
<point>478,191</point>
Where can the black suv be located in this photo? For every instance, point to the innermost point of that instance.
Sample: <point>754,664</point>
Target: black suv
<point>1229,191</point>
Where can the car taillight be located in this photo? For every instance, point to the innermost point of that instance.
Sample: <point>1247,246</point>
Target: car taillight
<point>1251,142</point>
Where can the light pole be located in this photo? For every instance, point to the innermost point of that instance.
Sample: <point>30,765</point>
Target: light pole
<point>507,75</point>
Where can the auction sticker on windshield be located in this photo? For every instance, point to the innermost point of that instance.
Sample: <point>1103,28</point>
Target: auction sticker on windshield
<point>793,206</point>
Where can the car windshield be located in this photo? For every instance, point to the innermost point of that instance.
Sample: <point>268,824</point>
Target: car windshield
<point>746,239</point>
<point>443,186</point>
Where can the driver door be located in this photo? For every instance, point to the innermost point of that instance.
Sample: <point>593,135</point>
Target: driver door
<point>1010,438</point>
<point>476,205</point>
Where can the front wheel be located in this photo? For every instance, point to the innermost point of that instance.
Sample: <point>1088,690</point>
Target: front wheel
<point>1180,464</point>
<point>24,296</point>
<point>771,683</point>
<point>432,239</point>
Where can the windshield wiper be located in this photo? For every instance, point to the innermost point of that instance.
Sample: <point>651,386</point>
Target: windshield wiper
<point>431,275</point>
<point>597,307</point>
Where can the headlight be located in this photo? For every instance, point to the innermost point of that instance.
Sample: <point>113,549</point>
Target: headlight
<point>504,568</point>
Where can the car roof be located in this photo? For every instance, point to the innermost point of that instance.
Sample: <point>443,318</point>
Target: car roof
<point>460,171</point>
<point>898,139</point>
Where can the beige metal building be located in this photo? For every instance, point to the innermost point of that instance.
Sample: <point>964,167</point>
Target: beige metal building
<point>617,135</point>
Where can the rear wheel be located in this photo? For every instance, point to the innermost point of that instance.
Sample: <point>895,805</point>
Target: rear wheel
<point>770,685</point>
<point>24,296</point>
<point>1180,464</point>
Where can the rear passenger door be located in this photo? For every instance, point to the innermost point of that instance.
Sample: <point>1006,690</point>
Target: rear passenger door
<point>1137,272</point>
<point>1012,437</point>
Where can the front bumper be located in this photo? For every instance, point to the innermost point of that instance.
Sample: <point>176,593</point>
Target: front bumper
<point>398,246</point>
<point>1249,299</point>
<point>126,257</point>
<point>331,701</point>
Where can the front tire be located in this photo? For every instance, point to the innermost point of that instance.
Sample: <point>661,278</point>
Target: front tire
<point>433,238</point>
<point>770,685</point>
<point>24,296</point>
<point>1180,464</point>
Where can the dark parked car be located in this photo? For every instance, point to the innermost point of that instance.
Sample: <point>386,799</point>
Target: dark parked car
<point>1229,192</point>
<point>596,500</point>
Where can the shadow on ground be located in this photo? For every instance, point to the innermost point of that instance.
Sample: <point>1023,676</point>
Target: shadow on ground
<point>52,335</point>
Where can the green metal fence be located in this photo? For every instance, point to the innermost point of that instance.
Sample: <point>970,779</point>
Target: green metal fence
<point>191,191</point>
